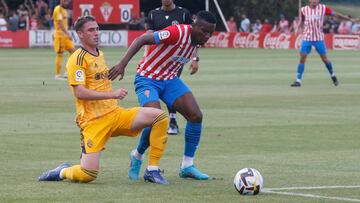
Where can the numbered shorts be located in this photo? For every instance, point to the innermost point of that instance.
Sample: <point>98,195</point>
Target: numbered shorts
<point>62,44</point>
<point>149,90</point>
<point>307,45</point>
<point>96,133</point>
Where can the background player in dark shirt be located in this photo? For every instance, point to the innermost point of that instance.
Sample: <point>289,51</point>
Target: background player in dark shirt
<point>160,18</point>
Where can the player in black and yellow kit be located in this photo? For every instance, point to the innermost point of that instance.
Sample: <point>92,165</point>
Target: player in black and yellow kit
<point>62,38</point>
<point>98,115</point>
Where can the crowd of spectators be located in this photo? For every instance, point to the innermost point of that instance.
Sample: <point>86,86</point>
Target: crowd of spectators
<point>37,14</point>
<point>30,15</point>
<point>282,25</point>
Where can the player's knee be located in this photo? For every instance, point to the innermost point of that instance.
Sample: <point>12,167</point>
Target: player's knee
<point>88,175</point>
<point>196,117</point>
<point>161,117</point>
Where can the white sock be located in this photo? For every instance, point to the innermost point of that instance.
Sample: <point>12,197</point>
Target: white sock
<point>187,161</point>
<point>172,115</point>
<point>152,168</point>
<point>61,172</point>
<point>297,80</point>
<point>137,155</point>
<point>333,74</point>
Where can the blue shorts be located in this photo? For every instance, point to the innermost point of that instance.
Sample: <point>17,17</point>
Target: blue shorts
<point>319,46</point>
<point>149,90</point>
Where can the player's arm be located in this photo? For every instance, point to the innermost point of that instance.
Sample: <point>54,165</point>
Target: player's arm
<point>83,93</point>
<point>119,69</point>
<point>194,66</point>
<point>62,27</point>
<point>329,11</point>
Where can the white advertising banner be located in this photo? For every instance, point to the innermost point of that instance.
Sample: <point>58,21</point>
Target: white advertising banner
<point>108,38</point>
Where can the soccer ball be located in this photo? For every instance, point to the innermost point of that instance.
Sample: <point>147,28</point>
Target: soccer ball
<point>248,181</point>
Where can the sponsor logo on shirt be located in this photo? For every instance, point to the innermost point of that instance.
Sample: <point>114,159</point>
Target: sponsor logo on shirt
<point>164,34</point>
<point>79,76</point>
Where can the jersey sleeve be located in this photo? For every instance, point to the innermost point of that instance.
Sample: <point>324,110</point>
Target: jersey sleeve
<point>328,11</point>
<point>76,72</point>
<point>168,36</point>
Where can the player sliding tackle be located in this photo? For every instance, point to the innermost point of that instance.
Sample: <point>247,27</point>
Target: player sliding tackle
<point>98,115</point>
<point>157,79</point>
<point>312,17</point>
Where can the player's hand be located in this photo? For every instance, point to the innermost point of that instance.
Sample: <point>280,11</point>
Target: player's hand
<point>194,67</point>
<point>120,93</point>
<point>117,70</point>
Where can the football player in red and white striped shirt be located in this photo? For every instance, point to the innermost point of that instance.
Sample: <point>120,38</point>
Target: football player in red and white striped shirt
<point>313,19</point>
<point>157,79</point>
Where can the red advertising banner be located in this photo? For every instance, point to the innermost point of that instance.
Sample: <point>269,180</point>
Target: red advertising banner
<point>10,39</point>
<point>107,11</point>
<point>275,41</point>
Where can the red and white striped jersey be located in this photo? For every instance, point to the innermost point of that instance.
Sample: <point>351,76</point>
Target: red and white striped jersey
<point>173,50</point>
<point>313,19</point>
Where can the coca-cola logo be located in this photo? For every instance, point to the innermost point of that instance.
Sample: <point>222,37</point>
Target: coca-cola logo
<point>248,40</point>
<point>274,41</point>
<point>219,41</point>
<point>346,42</point>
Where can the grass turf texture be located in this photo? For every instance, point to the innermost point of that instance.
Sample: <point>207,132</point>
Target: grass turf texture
<point>306,136</point>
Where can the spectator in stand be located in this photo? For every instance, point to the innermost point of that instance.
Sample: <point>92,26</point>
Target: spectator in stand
<point>41,7</point>
<point>47,21</point>
<point>22,10</point>
<point>244,24</point>
<point>142,21</point>
<point>327,25</point>
<point>34,22</point>
<point>23,22</point>
<point>283,25</point>
<point>134,23</point>
<point>52,4</point>
<point>345,27</point>
<point>275,27</point>
<point>231,23</point>
<point>13,21</point>
<point>193,17</point>
<point>295,25</point>
<point>4,9</point>
<point>356,29</point>
<point>3,23</point>
<point>334,24</point>
<point>266,26</point>
<point>256,27</point>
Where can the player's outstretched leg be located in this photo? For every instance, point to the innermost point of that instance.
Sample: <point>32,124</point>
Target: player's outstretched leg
<point>192,139</point>
<point>329,67</point>
<point>188,107</point>
<point>299,73</point>
<point>158,139</point>
<point>54,174</point>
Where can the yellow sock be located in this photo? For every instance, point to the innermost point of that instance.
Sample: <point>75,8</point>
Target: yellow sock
<point>58,61</point>
<point>158,138</point>
<point>78,174</point>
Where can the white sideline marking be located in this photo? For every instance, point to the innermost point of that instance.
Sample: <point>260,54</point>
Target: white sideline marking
<point>315,187</point>
<point>310,195</point>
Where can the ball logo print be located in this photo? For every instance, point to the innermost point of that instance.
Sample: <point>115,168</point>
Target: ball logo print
<point>248,181</point>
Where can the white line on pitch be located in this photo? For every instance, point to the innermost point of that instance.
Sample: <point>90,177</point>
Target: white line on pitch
<point>310,195</point>
<point>316,187</point>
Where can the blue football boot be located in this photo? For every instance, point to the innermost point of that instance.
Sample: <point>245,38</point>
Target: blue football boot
<point>135,166</point>
<point>192,172</point>
<point>155,177</point>
<point>54,174</point>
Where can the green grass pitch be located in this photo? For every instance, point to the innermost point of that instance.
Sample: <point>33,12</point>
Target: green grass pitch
<point>296,137</point>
